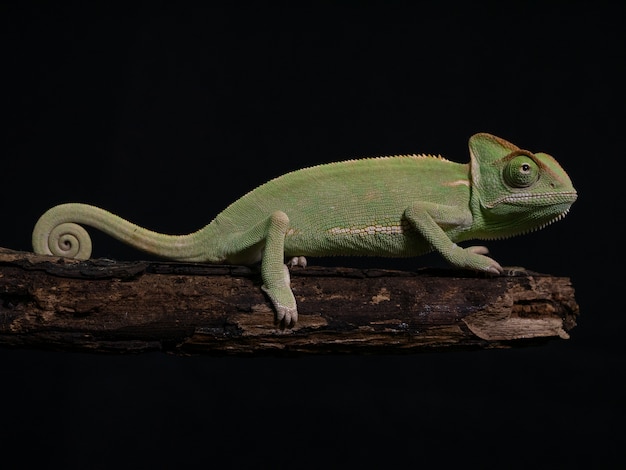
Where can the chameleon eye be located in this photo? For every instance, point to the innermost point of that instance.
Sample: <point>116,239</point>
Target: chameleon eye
<point>521,172</point>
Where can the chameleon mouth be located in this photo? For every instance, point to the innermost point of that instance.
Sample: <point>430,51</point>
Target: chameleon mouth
<point>546,199</point>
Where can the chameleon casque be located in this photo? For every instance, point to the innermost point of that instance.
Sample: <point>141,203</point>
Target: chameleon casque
<point>395,206</point>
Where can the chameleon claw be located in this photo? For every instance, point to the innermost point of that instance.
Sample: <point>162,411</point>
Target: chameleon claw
<point>495,269</point>
<point>286,317</point>
<point>291,319</point>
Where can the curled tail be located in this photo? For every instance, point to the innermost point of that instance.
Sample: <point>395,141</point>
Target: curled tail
<point>57,232</point>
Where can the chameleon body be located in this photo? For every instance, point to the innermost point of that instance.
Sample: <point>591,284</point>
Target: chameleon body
<point>394,206</point>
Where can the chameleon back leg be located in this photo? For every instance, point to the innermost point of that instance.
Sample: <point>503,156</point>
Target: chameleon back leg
<point>270,235</point>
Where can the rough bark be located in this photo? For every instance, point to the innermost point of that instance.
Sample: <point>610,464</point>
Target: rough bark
<point>121,307</point>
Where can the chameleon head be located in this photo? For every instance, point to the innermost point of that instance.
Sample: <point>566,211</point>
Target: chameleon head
<point>516,191</point>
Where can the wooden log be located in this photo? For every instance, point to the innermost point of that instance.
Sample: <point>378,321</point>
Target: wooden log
<point>110,306</point>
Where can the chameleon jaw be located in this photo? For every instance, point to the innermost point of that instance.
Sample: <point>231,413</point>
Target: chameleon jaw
<point>549,222</point>
<point>544,199</point>
<point>534,228</point>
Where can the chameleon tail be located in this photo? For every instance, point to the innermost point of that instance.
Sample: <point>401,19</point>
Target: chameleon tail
<point>57,233</point>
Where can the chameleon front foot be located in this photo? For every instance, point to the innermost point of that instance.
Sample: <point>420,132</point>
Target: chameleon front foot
<point>473,257</point>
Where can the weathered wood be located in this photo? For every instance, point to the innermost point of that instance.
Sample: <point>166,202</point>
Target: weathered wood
<point>120,307</point>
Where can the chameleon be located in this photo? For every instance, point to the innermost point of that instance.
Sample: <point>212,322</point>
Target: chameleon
<point>388,206</point>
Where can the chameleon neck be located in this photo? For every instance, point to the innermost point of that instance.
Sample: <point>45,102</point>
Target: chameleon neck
<point>58,233</point>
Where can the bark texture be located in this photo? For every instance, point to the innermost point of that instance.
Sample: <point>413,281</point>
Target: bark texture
<point>182,308</point>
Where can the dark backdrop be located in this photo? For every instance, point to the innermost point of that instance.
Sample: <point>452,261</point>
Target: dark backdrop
<point>166,114</point>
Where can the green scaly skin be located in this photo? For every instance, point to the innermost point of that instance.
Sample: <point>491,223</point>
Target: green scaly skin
<point>395,206</point>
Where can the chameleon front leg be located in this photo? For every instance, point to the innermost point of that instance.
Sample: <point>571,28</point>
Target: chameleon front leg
<point>428,219</point>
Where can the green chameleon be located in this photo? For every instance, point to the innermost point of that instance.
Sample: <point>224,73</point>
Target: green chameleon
<point>395,206</point>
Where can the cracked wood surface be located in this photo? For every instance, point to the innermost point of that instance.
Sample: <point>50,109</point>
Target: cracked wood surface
<point>187,308</point>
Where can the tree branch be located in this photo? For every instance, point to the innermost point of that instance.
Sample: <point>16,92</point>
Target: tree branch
<point>183,308</point>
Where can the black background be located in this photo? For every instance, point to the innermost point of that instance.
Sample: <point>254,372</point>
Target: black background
<point>166,114</point>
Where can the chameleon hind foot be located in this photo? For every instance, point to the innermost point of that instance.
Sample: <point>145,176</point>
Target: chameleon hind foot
<point>284,304</point>
<point>283,300</point>
<point>297,261</point>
